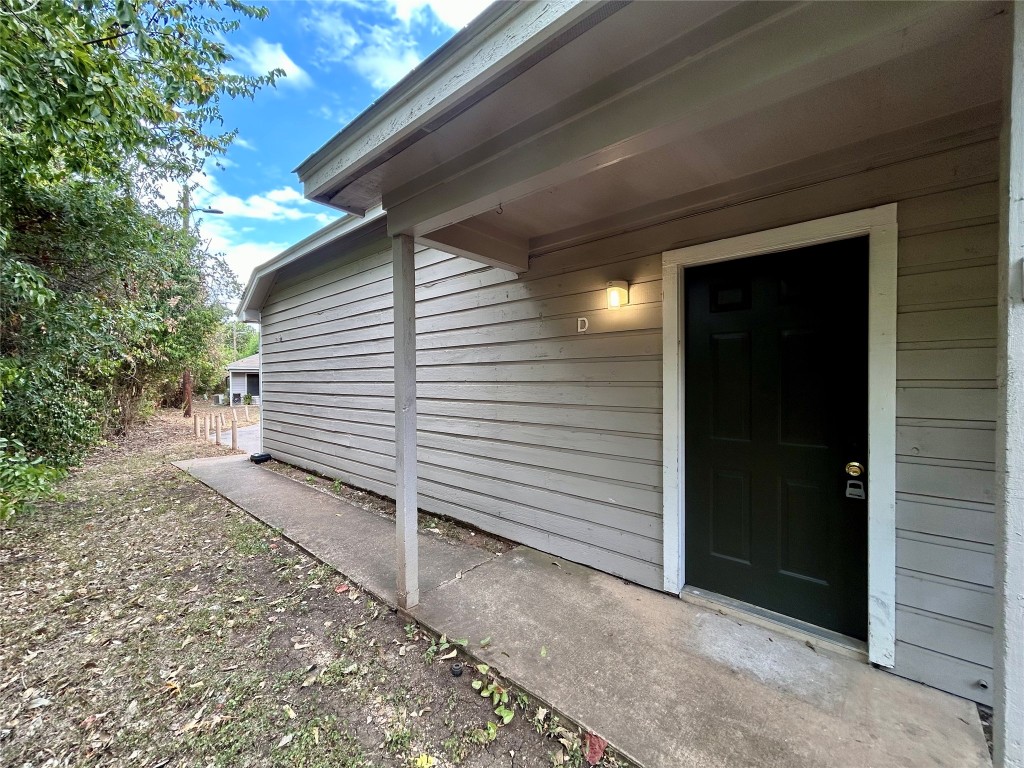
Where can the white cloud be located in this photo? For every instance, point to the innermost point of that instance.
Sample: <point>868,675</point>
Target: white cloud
<point>277,210</point>
<point>336,37</point>
<point>452,13</point>
<point>387,57</point>
<point>261,57</point>
<point>243,143</point>
<point>383,51</point>
<point>285,195</point>
<point>338,115</point>
<point>281,204</point>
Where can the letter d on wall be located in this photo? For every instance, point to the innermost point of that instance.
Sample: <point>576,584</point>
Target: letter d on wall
<point>582,324</point>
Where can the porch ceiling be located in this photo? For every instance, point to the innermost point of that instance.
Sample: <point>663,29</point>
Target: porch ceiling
<point>658,109</point>
<point>895,81</point>
<point>947,93</point>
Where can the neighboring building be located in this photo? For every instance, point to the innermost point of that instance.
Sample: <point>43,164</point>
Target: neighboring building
<point>797,411</point>
<point>244,379</point>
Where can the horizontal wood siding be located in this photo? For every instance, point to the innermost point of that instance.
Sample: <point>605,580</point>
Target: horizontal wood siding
<point>328,356</point>
<point>551,437</point>
<point>945,442</point>
<point>947,207</point>
<point>527,428</point>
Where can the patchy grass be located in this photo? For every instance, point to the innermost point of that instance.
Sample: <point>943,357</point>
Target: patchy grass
<point>149,622</point>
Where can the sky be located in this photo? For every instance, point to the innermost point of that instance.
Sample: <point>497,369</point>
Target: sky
<point>338,56</point>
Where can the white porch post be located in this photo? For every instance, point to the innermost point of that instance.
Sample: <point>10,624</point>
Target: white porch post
<point>1009,572</point>
<point>404,267</point>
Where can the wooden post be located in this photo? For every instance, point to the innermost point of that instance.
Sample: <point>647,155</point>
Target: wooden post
<point>216,425</point>
<point>1008,672</point>
<point>404,267</point>
<point>234,415</point>
<point>206,427</point>
<point>186,385</point>
<point>195,424</point>
<point>234,435</point>
<point>246,412</point>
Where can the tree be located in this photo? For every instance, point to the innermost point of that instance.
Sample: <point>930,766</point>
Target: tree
<point>104,88</point>
<point>240,340</point>
<point>103,298</point>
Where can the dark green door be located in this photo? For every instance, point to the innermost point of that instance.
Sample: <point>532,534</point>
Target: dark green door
<point>776,405</point>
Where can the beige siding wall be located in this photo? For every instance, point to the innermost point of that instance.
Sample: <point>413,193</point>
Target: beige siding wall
<point>552,437</point>
<point>239,386</point>
<point>527,428</point>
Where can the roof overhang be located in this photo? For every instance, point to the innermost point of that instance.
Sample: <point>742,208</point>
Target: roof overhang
<point>341,235</point>
<point>505,40</point>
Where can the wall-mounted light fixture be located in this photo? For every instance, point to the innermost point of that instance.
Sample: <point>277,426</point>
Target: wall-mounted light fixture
<point>618,294</point>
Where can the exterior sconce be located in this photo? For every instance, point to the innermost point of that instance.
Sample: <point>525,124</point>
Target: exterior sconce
<point>618,294</point>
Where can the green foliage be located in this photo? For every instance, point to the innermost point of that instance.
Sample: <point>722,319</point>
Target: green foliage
<point>100,86</point>
<point>22,480</point>
<point>490,687</point>
<point>246,399</point>
<point>240,340</point>
<point>105,299</point>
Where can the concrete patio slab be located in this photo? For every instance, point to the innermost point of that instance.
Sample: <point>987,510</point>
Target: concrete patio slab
<point>668,683</point>
<point>357,543</point>
<point>673,684</point>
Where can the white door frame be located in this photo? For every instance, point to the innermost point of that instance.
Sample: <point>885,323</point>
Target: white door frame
<point>879,224</point>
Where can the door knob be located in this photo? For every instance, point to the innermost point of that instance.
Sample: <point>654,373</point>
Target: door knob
<point>855,469</point>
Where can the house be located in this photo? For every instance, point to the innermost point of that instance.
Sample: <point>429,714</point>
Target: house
<point>244,379</point>
<point>722,298</point>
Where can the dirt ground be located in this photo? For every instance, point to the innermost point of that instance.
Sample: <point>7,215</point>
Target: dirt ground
<point>146,621</point>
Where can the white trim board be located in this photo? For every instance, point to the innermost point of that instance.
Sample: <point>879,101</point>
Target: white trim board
<point>879,224</point>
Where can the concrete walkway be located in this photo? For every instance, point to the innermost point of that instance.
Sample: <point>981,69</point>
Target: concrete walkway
<point>248,438</point>
<point>668,683</point>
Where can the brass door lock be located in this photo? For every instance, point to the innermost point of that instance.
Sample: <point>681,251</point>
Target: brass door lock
<point>855,469</point>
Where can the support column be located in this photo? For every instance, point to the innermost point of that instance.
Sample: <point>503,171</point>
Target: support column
<point>404,266</point>
<point>1008,691</point>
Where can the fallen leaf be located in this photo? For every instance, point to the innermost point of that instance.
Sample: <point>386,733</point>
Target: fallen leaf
<point>450,655</point>
<point>594,747</point>
<point>485,642</point>
<point>300,646</point>
<point>289,711</point>
<point>286,740</point>
<point>341,588</point>
<point>543,651</point>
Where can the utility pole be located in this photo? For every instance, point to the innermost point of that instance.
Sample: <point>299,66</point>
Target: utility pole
<point>186,209</point>
<point>186,378</point>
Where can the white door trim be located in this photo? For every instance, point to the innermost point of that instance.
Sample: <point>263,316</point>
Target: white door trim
<point>879,224</point>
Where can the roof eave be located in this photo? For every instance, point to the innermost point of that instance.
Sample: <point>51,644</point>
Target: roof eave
<point>405,87</point>
<point>262,277</point>
<point>505,34</point>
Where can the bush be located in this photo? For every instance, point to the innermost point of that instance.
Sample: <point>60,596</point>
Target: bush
<point>22,480</point>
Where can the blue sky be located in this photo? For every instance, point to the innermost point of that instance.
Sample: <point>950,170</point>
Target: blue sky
<point>339,55</point>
